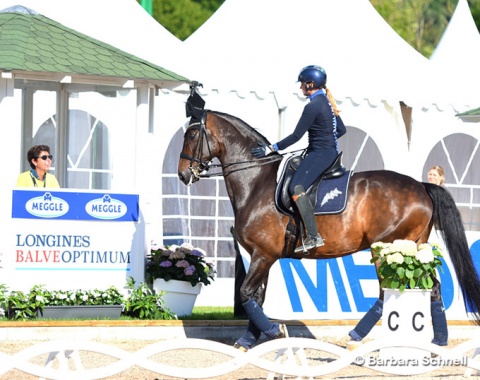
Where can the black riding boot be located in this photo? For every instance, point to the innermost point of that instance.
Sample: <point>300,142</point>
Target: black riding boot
<point>313,239</point>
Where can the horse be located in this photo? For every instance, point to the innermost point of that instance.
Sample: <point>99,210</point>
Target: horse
<point>382,206</point>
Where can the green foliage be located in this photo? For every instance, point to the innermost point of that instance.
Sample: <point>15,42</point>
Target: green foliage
<point>183,17</point>
<point>419,22</point>
<point>142,303</point>
<point>402,266</point>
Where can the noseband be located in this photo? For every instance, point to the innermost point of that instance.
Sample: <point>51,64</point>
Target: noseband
<point>197,151</point>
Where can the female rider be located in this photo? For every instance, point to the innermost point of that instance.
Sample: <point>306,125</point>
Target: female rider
<point>320,118</point>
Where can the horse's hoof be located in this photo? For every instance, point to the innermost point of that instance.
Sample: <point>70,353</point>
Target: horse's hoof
<point>283,331</point>
<point>353,344</point>
<point>240,347</point>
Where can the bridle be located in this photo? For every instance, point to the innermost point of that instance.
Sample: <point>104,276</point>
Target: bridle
<point>202,166</point>
<point>197,151</point>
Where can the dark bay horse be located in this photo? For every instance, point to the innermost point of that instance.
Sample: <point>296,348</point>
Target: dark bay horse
<point>382,206</point>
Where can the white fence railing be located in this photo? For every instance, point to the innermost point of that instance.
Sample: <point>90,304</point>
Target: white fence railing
<point>301,357</point>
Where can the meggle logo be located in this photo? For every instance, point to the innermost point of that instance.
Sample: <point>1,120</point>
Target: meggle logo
<point>106,208</point>
<point>47,206</point>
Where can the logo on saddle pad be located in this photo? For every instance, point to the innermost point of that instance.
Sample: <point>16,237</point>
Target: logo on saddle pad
<point>330,195</point>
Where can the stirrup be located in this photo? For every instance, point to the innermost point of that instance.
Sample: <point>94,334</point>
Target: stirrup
<point>309,243</point>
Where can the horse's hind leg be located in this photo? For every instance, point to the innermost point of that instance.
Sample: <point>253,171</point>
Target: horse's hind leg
<point>439,319</point>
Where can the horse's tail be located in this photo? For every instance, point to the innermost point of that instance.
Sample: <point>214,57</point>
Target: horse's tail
<point>448,221</point>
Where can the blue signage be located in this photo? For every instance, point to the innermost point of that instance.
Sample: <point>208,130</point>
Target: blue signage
<point>28,204</point>
<point>292,268</point>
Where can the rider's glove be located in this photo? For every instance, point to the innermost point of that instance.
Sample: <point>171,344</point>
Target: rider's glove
<point>263,150</point>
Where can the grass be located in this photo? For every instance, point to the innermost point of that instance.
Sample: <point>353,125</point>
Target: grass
<point>198,313</point>
<point>211,313</point>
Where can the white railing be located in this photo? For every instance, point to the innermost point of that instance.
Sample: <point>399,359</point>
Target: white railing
<point>278,357</point>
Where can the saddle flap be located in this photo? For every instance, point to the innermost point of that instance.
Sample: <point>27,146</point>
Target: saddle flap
<point>283,201</point>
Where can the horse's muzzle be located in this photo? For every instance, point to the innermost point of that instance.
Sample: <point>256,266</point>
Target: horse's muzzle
<point>188,177</point>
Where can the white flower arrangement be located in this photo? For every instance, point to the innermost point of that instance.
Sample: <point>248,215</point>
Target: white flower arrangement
<point>402,265</point>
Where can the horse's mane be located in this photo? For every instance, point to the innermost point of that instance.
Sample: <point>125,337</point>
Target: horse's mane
<point>239,123</point>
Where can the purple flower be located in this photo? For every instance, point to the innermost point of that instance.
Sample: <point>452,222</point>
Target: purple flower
<point>166,264</point>
<point>182,264</point>
<point>198,252</point>
<point>189,270</point>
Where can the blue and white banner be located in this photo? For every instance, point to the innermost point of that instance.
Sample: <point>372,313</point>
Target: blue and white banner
<point>65,238</point>
<point>346,287</point>
<point>74,206</point>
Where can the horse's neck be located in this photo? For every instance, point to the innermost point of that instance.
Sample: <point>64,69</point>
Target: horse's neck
<point>251,186</point>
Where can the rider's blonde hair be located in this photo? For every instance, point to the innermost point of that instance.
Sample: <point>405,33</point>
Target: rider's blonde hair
<point>332,101</point>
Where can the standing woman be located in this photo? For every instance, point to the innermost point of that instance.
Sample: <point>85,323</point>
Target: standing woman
<point>320,118</point>
<point>40,160</point>
<point>436,175</point>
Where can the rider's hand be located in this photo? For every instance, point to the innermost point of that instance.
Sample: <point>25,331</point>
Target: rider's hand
<point>262,150</point>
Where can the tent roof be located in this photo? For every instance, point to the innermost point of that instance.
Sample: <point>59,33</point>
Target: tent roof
<point>262,45</point>
<point>470,116</point>
<point>33,43</point>
<point>120,23</point>
<point>457,55</point>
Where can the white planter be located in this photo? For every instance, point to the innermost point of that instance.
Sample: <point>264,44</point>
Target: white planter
<point>179,296</point>
<point>83,311</point>
<point>406,319</point>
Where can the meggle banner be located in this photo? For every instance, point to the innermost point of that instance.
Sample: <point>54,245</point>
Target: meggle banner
<point>66,239</point>
<point>74,206</point>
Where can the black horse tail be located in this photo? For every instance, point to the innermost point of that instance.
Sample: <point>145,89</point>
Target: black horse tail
<point>448,221</point>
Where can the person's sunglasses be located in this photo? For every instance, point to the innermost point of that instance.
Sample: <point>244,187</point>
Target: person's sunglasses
<point>44,157</point>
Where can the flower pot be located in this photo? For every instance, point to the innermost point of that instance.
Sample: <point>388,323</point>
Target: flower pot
<point>406,319</point>
<point>179,296</point>
<point>82,311</point>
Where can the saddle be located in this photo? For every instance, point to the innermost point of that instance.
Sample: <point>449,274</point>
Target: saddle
<point>283,201</point>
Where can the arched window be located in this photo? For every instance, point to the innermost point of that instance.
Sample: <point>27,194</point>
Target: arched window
<point>459,157</point>
<point>200,214</point>
<point>89,165</point>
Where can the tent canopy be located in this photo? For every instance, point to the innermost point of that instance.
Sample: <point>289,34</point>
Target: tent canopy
<point>261,45</point>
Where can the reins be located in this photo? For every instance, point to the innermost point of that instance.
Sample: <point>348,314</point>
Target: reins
<point>206,166</point>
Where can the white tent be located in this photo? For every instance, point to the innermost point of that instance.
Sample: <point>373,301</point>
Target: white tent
<point>259,46</point>
<point>457,55</point>
<point>252,45</point>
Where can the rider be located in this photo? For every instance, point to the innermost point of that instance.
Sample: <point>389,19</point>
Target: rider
<point>320,118</point>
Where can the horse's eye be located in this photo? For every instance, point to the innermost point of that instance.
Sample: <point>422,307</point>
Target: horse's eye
<point>192,134</point>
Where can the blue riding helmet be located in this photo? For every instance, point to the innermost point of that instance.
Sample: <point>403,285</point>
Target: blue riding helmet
<point>315,74</point>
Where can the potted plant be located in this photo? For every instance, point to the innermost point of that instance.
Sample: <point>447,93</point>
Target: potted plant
<point>179,272</point>
<point>139,302</point>
<point>402,265</point>
<point>64,304</point>
<point>407,274</point>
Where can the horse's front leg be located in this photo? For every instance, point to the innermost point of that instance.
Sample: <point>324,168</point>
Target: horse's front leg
<point>252,293</point>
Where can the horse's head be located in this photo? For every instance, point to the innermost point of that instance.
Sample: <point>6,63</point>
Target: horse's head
<point>219,135</point>
<point>199,148</point>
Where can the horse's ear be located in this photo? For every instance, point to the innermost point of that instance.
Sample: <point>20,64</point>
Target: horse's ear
<point>195,105</point>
